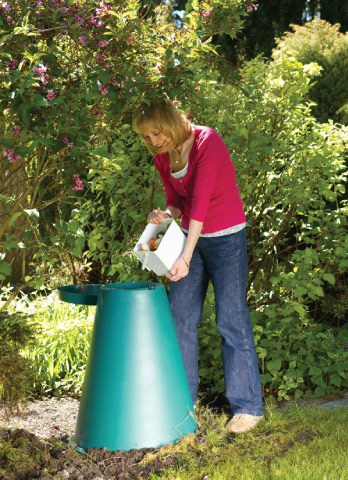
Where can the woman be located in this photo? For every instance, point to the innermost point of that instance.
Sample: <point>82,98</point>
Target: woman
<point>200,185</point>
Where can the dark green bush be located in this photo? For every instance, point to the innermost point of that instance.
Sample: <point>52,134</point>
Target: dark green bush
<point>321,42</point>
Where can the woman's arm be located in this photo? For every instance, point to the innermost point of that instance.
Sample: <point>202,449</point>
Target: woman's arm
<point>182,265</point>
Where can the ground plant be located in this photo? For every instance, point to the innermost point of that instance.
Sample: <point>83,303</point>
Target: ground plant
<point>56,351</point>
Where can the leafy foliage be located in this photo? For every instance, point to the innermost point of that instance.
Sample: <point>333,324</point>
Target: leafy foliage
<point>17,331</point>
<point>71,73</point>
<point>292,177</point>
<point>319,41</point>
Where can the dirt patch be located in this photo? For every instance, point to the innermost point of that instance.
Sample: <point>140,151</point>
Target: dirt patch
<point>49,417</point>
<point>25,456</point>
<point>34,444</point>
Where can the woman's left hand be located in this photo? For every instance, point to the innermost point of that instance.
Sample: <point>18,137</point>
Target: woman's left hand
<point>179,270</point>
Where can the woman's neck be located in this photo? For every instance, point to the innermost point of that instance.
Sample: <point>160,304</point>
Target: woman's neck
<point>179,157</point>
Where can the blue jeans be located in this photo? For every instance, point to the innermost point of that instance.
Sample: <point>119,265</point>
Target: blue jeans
<point>223,260</point>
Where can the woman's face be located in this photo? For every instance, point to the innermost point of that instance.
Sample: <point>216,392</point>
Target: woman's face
<point>155,138</point>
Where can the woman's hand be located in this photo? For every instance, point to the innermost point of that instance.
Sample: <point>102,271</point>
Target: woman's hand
<point>157,216</point>
<point>179,270</point>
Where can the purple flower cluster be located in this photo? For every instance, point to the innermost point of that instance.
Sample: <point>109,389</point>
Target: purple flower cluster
<point>67,141</point>
<point>252,7</point>
<point>11,155</point>
<point>7,8</point>
<point>51,95</point>
<point>78,183</point>
<point>206,13</point>
<point>16,131</point>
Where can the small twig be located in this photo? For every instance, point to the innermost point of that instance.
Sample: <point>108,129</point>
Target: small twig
<point>52,28</point>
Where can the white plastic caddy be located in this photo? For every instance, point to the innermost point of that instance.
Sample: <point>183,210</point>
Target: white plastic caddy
<point>171,247</point>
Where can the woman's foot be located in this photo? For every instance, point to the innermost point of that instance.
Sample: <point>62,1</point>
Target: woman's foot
<point>242,422</point>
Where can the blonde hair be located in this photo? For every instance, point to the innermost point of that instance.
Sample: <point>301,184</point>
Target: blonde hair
<point>164,116</point>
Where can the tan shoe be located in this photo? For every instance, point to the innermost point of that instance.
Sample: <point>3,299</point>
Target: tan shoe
<point>242,422</point>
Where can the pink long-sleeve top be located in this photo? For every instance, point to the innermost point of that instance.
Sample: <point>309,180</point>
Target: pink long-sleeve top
<point>208,191</point>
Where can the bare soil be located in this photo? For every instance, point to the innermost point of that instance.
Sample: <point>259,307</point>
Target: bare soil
<point>34,444</point>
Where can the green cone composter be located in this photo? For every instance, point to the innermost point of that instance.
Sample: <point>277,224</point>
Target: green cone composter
<point>135,391</point>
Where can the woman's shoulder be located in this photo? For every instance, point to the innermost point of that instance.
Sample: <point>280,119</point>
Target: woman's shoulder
<point>204,133</point>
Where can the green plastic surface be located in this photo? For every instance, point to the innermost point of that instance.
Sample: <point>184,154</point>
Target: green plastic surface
<point>135,392</point>
<point>79,294</point>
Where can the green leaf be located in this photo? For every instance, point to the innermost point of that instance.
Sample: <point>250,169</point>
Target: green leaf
<point>14,218</point>
<point>5,268</point>
<point>336,380</point>
<point>328,277</point>
<point>274,366</point>
<point>104,76</point>
<point>314,371</point>
<point>317,290</point>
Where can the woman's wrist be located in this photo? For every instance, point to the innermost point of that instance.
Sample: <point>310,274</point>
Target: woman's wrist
<point>186,262</point>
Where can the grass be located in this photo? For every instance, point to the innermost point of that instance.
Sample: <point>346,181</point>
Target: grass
<point>294,444</point>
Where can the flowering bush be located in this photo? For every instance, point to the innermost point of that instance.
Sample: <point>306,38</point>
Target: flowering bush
<point>71,73</point>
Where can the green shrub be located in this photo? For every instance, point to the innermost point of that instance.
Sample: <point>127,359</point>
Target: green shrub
<point>321,42</point>
<point>291,174</point>
<point>297,359</point>
<point>17,331</point>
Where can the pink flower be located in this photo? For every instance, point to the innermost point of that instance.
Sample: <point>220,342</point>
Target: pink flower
<point>44,79</point>
<point>83,40</point>
<point>78,183</point>
<point>6,7</point>
<point>103,9</point>
<point>11,155</point>
<point>78,19</point>
<point>16,131</point>
<point>51,95</point>
<point>67,141</point>
<point>101,58</point>
<point>98,113</point>
<point>40,70</point>
<point>252,7</point>
<point>103,43</point>
<point>158,67</point>
<point>12,64</point>
<point>206,13</point>
<point>93,21</point>
<point>103,90</point>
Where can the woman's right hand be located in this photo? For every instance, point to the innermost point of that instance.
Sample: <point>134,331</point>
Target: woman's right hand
<point>157,216</point>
